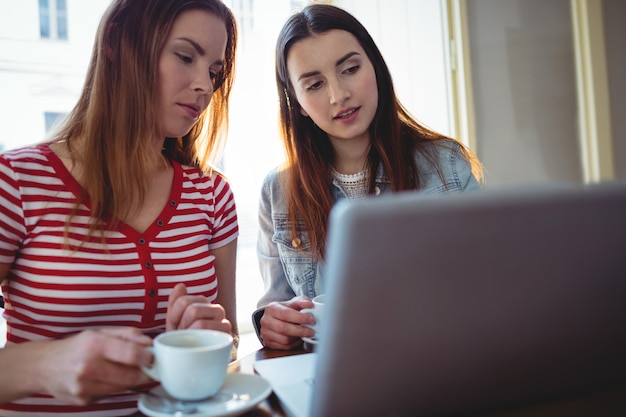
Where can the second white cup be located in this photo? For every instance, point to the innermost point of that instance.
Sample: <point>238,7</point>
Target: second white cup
<point>191,364</point>
<point>318,313</point>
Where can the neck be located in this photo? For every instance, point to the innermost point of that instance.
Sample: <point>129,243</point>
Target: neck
<point>350,162</point>
<point>350,155</point>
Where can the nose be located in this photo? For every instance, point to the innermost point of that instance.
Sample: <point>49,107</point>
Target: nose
<point>338,91</point>
<point>202,82</point>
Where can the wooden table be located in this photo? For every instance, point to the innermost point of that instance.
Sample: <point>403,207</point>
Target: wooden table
<point>610,402</point>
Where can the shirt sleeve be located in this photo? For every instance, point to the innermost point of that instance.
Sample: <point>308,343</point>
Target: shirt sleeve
<point>225,225</point>
<point>12,229</point>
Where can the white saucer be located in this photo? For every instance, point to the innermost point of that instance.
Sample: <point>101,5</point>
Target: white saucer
<point>240,393</point>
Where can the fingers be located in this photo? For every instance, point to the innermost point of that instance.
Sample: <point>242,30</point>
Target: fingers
<point>223,325</point>
<point>102,378</point>
<point>130,334</point>
<point>95,363</point>
<point>298,303</point>
<point>175,312</point>
<point>281,324</point>
<point>126,346</point>
<point>281,342</point>
<point>194,312</point>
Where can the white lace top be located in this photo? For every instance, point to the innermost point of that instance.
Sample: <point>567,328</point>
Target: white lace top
<point>355,186</point>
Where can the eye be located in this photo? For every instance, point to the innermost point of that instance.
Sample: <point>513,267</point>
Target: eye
<point>352,69</point>
<point>314,86</point>
<point>186,59</point>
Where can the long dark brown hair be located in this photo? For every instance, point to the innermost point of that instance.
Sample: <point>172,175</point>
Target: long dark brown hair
<point>116,114</point>
<point>395,135</point>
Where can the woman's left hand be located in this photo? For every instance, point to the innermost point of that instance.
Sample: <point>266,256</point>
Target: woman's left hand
<point>194,312</point>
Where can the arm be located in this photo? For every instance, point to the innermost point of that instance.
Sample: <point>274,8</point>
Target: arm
<point>77,369</point>
<point>225,267</point>
<point>277,322</point>
<point>276,285</point>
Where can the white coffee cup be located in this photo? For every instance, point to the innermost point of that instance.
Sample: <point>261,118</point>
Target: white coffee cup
<point>317,312</point>
<point>191,364</point>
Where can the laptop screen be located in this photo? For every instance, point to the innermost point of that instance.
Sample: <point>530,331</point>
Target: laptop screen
<point>465,302</point>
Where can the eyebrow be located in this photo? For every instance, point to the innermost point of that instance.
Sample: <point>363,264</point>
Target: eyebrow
<point>339,62</point>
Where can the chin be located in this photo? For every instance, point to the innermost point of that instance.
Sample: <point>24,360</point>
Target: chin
<point>177,133</point>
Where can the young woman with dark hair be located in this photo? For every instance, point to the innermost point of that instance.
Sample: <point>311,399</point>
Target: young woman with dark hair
<point>346,135</point>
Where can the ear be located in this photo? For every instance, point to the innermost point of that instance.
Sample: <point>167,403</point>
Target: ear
<point>303,112</point>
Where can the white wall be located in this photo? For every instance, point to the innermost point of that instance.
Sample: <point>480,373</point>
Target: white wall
<point>523,78</point>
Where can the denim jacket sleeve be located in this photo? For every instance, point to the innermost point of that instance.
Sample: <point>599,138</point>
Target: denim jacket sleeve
<point>276,285</point>
<point>286,261</point>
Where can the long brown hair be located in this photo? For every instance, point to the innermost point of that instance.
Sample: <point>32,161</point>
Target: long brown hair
<point>116,114</point>
<point>395,135</point>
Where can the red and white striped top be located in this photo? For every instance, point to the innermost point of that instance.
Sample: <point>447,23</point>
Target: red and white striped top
<point>52,291</point>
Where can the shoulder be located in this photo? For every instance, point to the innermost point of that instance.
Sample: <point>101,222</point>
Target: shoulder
<point>35,163</point>
<point>35,153</point>
<point>210,184</point>
<point>275,180</point>
<point>443,166</point>
<point>442,150</point>
<point>196,175</point>
<point>274,191</point>
<point>275,175</point>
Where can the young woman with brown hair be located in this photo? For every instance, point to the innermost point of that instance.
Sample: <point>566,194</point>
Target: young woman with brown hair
<point>346,135</point>
<point>118,228</point>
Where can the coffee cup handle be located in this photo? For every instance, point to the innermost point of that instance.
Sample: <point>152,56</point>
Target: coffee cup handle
<point>151,370</point>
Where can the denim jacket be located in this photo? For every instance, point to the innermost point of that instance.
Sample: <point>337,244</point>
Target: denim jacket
<point>288,266</point>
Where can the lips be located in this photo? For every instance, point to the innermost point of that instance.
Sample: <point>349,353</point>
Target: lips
<point>193,110</point>
<point>346,113</point>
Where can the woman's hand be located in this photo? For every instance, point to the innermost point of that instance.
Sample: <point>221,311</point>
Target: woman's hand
<point>194,312</point>
<point>281,323</point>
<point>81,368</point>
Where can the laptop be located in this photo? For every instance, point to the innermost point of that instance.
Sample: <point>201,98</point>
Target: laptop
<point>466,303</point>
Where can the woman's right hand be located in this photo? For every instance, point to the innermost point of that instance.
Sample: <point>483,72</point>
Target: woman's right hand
<point>79,369</point>
<point>281,324</point>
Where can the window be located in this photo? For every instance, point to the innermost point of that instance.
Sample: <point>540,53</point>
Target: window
<point>53,19</point>
<point>52,119</point>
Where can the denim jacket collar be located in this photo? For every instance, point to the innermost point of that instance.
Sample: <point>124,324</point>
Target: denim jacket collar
<point>382,184</point>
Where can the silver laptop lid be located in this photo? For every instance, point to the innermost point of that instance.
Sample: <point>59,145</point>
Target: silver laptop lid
<point>471,301</point>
